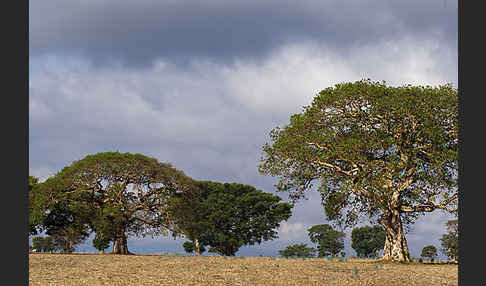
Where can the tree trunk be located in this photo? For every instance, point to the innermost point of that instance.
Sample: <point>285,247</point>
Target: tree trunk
<point>70,246</point>
<point>101,251</point>
<point>120,245</point>
<point>396,248</point>
<point>198,252</point>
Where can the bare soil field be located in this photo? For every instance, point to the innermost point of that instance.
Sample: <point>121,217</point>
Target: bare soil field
<point>109,269</point>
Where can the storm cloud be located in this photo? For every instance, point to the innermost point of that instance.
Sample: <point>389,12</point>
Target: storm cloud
<point>136,33</point>
<point>201,84</point>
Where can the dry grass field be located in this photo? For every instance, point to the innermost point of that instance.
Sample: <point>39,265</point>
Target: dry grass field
<point>108,269</point>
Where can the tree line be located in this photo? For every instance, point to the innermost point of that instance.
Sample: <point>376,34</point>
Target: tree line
<point>366,241</point>
<point>117,195</point>
<point>371,150</point>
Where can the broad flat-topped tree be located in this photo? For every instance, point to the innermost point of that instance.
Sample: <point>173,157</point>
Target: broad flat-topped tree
<point>388,152</point>
<point>123,194</point>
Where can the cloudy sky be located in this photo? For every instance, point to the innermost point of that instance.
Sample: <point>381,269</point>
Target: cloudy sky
<point>200,84</point>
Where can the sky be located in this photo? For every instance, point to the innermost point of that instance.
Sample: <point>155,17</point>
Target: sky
<point>200,84</point>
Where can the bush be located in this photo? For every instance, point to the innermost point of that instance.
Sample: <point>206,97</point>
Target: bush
<point>429,251</point>
<point>101,242</point>
<point>298,251</point>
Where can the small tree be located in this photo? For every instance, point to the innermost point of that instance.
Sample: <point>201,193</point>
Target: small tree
<point>330,241</point>
<point>38,243</point>
<point>298,251</point>
<point>44,244</point>
<point>190,247</point>
<point>450,240</point>
<point>101,242</point>
<point>368,240</point>
<point>430,252</point>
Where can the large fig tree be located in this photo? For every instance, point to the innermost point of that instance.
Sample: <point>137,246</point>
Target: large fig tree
<point>121,193</point>
<point>387,152</point>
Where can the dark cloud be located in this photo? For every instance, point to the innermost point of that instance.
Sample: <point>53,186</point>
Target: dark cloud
<point>213,78</point>
<point>137,32</point>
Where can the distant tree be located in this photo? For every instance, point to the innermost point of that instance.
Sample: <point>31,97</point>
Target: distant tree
<point>38,243</point>
<point>129,188</point>
<point>190,247</point>
<point>68,237</point>
<point>328,240</point>
<point>101,242</point>
<point>228,216</point>
<point>450,240</point>
<point>298,251</point>
<point>368,240</point>
<point>67,222</point>
<point>389,153</point>
<point>44,244</point>
<point>429,251</point>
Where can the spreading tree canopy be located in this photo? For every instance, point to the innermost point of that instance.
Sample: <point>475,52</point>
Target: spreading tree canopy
<point>121,193</point>
<point>387,152</point>
<point>429,251</point>
<point>228,216</point>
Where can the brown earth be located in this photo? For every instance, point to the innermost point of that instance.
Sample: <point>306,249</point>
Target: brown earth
<point>109,269</point>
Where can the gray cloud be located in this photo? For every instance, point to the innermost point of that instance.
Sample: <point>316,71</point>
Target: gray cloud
<point>206,115</point>
<point>211,81</point>
<point>138,32</point>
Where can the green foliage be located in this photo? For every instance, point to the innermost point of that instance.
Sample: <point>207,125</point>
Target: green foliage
<point>450,240</point>
<point>35,218</point>
<point>298,251</point>
<point>101,242</point>
<point>389,153</point>
<point>368,240</point>
<point>329,241</point>
<point>66,238</point>
<point>190,247</point>
<point>228,216</point>
<point>117,194</point>
<point>429,251</point>
<point>44,244</point>
<point>366,143</point>
<point>32,182</point>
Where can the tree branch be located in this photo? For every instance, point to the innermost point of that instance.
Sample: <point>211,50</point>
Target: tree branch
<point>429,206</point>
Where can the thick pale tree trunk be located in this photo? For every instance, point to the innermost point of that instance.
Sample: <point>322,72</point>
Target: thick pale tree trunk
<point>120,245</point>
<point>101,251</point>
<point>396,248</point>
<point>198,252</point>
